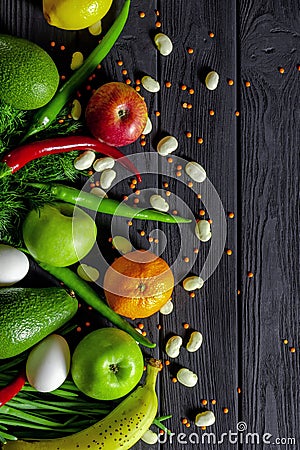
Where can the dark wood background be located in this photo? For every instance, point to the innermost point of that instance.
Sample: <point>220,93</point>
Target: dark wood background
<point>253,162</point>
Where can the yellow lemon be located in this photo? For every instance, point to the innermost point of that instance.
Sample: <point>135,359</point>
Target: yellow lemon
<point>74,14</point>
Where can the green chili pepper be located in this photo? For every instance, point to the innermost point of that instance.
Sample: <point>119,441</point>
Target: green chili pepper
<point>87,293</point>
<point>45,115</point>
<point>105,205</point>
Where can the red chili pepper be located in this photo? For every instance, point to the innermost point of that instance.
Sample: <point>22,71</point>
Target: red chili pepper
<point>9,391</point>
<point>20,156</point>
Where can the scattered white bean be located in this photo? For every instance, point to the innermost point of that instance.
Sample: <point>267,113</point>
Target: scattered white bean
<point>88,273</point>
<point>107,177</point>
<point>195,171</point>
<point>77,60</point>
<point>84,160</point>
<point>163,44</point>
<point>76,110</point>
<point>148,127</point>
<point>159,203</point>
<point>96,28</point>
<point>205,419</point>
<point>194,342</point>
<point>187,377</point>
<point>99,192</point>
<point>103,163</point>
<point>149,437</point>
<point>192,283</point>
<point>167,145</point>
<point>167,308</point>
<point>212,80</point>
<point>150,84</point>
<point>122,244</point>
<point>203,231</point>
<point>173,346</point>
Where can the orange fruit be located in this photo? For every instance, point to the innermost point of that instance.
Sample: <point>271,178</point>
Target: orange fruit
<point>138,284</point>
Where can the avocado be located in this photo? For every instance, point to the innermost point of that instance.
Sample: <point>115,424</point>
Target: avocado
<point>28,75</point>
<point>27,315</point>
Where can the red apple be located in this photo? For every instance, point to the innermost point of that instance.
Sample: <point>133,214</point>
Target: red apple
<point>116,114</point>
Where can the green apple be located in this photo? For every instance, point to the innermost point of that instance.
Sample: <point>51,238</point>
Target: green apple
<point>59,234</point>
<point>107,364</point>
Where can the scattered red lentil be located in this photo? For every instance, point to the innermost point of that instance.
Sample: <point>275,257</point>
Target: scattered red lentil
<point>211,112</point>
<point>179,167</point>
<point>156,241</point>
<point>158,24</point>
<point>125,198</point>
<point>202,212</point>
<point>143,142</point>
<point>157,12</point>
<point>231,215</point>
<point>281,70</point>
<point>203,428</point>
<point>292,350</point>
<point>237,113</point>
<point>178,173</point>
<point>230,82</point>
<point>199,196</point>
<point>167,362</point>
<point>168,193</point>
<point>204,402</point>
<point>168,84</point>
<point>174,380</point>
<point>87,324</point>
<point>170,160</point>
<point>250,275</point>
<point>229,252</point>
<point>210,221</point>
<point>190,51</point>
<point>238,292</point>
<point>239,390</point>
<point>211,34</point>
<point>161,432</point>
<point>62,47</point>
<point>196,250</point>
<point>184,420</point>
<point>247,84</point>
<point>137,192</point>
<point>200,140</point>
<point>184,105</point>
<point>158,326</point>
<point>142,233</point>
<point>124,72</point>
<point>192,295</point>
<point>183,87</point>
<point>150,239</point>
<point>144,333</point>
<point>188,425</point>
<point>189,106</point>
<point>188,134</point>
<point>137,88</point>
<point>190,184</point>
<point>109,239</point>
<point>136,201</point>
<point>138,82</point>
<point>213,402</point>
<point>129,223</point>
<point>285,341</point>
<point>174,212</point>
<point>191,91</point>
<point>78,329</point>
<point>225,410</point>
<point>157,113</point>
<point>142,14</point>
<point>298,67</point>
<point>166,185</point>
<point>186,326</point>
<point>128,81</point>
<point>120,63</point>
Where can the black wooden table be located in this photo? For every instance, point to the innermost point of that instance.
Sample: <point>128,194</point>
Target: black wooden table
<point>246,135</point>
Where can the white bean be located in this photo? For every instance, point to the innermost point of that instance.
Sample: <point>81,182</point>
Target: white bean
<point>173,346</point>
<point>149,437</point>
<point>159,203</point>
<point>150,84</point>
<point>148,127</point>
<point>212,80</point>
<point>187,377</point>
<point>194,342</point>
<point>205,419</point>
<point>99,192</point>
<point>203,231</point>
<point>195,171</point>
<point>121,244</point>
<point>107,177</point>
<point>84,160</point>
<point>77,60</point>
<point>163,44</point>
<point>96,28</point>
<point>167,308</point>
<point>76,110</point>
<point>88,273</point>
<point>192,283</point>
<point>167,145</point>
<point>103,163</point>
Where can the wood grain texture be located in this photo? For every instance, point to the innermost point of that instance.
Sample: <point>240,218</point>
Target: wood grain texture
<point>269,135</point>
<point>253,163</point>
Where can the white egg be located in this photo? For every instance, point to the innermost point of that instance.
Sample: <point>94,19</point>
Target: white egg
<point>48,363</point>
<point>14,265</point>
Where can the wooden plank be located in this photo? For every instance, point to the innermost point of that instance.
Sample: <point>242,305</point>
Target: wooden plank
<point>213,311</point>
<point>269,186</point>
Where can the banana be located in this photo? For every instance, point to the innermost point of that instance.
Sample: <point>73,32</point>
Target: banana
<point>120,429</point>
